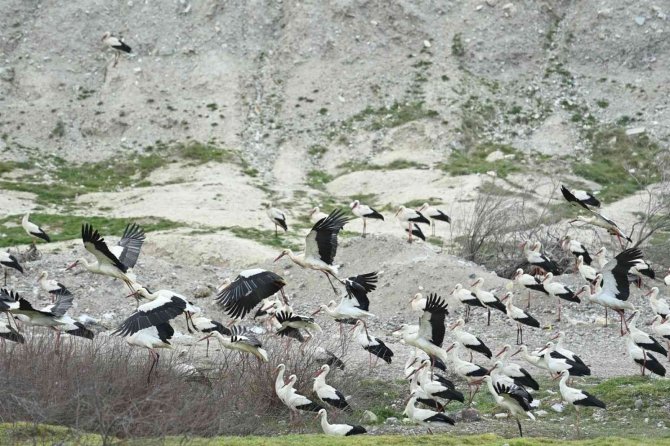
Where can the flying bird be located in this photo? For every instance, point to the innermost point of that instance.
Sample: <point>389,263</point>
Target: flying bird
<point>248,289</point>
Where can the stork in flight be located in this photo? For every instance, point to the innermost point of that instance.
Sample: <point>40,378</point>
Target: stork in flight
<point>321,247</point>
<point>248,289</point>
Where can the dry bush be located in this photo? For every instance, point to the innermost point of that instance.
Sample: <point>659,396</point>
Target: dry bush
<point>101,387</point>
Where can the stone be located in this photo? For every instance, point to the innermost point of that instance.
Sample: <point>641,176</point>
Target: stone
<point>468,415</point>
<point>638,404</point>
<point>640,20</point>
<point>369,417</point>
<point>541,413</point>
<point>494,156</point>
<point>426,44</point>
<point>558,407</point>
<point>635,131</point>
<point>391,420</point>
<point>7,74</point>
<point>491,3</point>
<point>201,291</point>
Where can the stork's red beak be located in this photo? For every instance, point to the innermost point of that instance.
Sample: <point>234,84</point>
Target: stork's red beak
<point>208,336</point>
<point>72,265</point>
<point>316,312</point>
<point>503,351</point>
<point>279,257</point>
<point>516,353</point>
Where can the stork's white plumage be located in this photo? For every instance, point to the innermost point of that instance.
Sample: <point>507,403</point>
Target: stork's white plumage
<point>580,197</point>
<point>374,346</point>
<point>117,44</point>
<point>289,321</point>
<point>587,272</point>
<point>576,248</point>
<point>578,398</point>
<point>152,338</point>
<point>161,309</point>
<point>559,290</point>
<point>615,287</point>
<point>661,327</point>
<point>248,289</point>
<point>206,325</point>
<point>321,246</point>
<point>338,430</point>
<point>33,230</point>
<point>467,298</point>
<point>600,258</point>
<point>538,260</point>
<point>53,287</point>
<point>556,362</point>
<point>511,398</point>
<point>296,402</point>
<point>418,302</point>
<point>408,217</point>
<point>559,347</point>
<point>601,221</point>
<point>487,298</point>
<point>315,215</point>
<point>280,385</point>
<point>470,372</point>
<point>434,215</point>
<point>425,417</point>
<point>531,283</point>
<point>277,217</point>
<point>327,393</point>
<point>658,305</point>
<point>519,316</point>
<point>440,387</point>
<point>364,211</point>
<point>532,358</point>
<point>666,280</point>
<point>518,374</point>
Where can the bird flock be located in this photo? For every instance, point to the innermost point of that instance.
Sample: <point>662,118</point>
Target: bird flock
<point>259,294</point>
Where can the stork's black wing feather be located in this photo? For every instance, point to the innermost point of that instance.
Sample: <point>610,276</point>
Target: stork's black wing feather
<point>437,308</point>
<point>88,235</point>
<point>624,261</point>
<point>326,234</point>
<point>247,291</point>
<point>359,286</point>
<point>131,241</point>
<point>151,315</point>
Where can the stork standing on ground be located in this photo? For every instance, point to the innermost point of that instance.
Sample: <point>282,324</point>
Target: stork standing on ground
<point>425,417</point>
<point>54,288</point>
<point>248,289</point>
<point>560,291</point>
<point>577,397</point>
<point>643,358</point>
<point>7,260</point>
<point>518,374</point>
<point>642,339</point>
<point>470,372</point>
<point>661,327</point>
<point>240,339</point>
<point>436,386</point>
<point>117,44</point>
<point>615,286</point>
<point>321,246</point>
<point>519,316</point>
<point>658,306</point>
<point>467,298</point>
<point>365,212</point>
<point>576,248</point>
<point>487,298</point>
<point>537,260</point>
<point>587,272</point>
<point>117,261</point>
<point>468,340</point>
<point>530,283</point>
<point>511,398</point>
<point>560,348</point>
<point>374,346</point>
<point>338,430</point>
<point>327,393</point>
<point>408,217</point>
<point>277,217</point>
<point>295,402</point>
<point>556,362</point>
<point>152,338</point>
<point>434,215</point>
<point>416,232</point>
<point>33,230</point>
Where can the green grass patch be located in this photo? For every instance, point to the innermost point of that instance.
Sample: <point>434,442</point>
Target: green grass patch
<point>68,227</point>
<point>613,155</point>
<point>264,237</point>
<point>355,166</point>
<point>317,179</point>
<point>317,151</point>
<point>474,160</point>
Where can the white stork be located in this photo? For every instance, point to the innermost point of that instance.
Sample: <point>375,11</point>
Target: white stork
<point>658,306</point>
<point>206,325</point>
<point>165,297</point>
<point>354,304</point>
<point>117,261</point>
<point>519,316</point>
<point>467,298</point>
<point>600,258</point>
<point>439,387</point>
<point>519,375</point>
<point>434,215</point>
<point>374,346</point>
<point>52,316</point>
<point>577,397</point>
<point>615,287</point>
<point>538,260</point>
<point>338,430</point>
<point>248,289</point>
<point>597,219</point>
<point>33,230</point>
<point>487,298</point>
<point>576,248</point>
<point>152,337</point>
<point>9,333</point>
<point>430,333</point>
<point>53,287</point>
<point>639,271</point>
<point>327,393</point>
<point>511,398</point>
<point>560,348</point>
<point>468,340</point>
<point>529,282</point>
<point>587,272</point>
<point>580,197</point>
<point>666,279</point>
<point>418,302</point>
<point>409,216</point>
<point>321,246</point>
<point>315,215</point>
<point>661,327</point>
<point>532,358</point>
<point>559,290</point>
<point>416,232</point>
<point>296,402</point>
<point>364,211</point>
<point>290,321</point>
<point>472,373</point>
<point>9,261</point>
<point>160,310</point>
<point>117,44</point>
<point>643,358</point>
<point>425,417</point>
<point>642,339</point>
<point>556,362</point>
<point>240,339</point>
<point>277,217</point>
